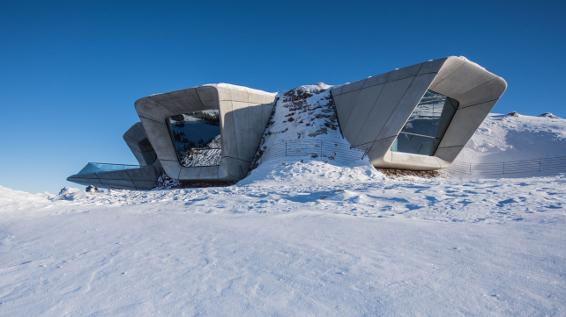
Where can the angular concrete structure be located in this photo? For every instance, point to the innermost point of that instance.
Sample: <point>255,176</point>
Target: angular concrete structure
<point>140,177</point>
<point>205,134</point>
<point>243,116</point>
<point>120,176</point>
<point>418,117</point>
<point>137,141</point>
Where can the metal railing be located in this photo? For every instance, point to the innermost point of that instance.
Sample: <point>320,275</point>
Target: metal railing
<point>342,152</point>
<point>515,168</point>
<point>325,149</point>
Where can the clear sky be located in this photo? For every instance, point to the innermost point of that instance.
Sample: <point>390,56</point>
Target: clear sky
<point>71,71</point>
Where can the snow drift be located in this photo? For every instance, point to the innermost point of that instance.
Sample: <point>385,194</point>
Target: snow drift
<point>516,137</point>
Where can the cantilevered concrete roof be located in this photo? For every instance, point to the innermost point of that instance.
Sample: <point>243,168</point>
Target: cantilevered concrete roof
<point>373,111</point>
<point>244,113</point>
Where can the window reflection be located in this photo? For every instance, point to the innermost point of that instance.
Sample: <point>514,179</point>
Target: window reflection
<point>427,124</point>
<point>196,138</point>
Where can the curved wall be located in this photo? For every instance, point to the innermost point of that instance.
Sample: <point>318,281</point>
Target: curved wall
<point>244,114</point>
<point>373,111</point>
<point>138,143</point>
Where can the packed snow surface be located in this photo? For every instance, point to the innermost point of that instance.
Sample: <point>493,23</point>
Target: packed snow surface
<point>319,233</point>
<point>504,137</point>
<point>325,244</point>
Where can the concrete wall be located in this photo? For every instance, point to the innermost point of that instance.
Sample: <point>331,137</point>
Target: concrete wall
<point>477,90</point>
<point>140,146</point>
<point>372,112</point>
<point>243,116</point>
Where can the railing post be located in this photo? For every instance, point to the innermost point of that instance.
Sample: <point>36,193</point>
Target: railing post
<point>285,148</point>
<point>321,149</point>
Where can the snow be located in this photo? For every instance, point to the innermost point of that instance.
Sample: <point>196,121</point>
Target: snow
<point>301,235</point>
<point>243,88</point>
<point>12,200</point>
<point>210,155</point>
<point>391,247</point>
<point>229,86</point>
<point>505,138</point>
<point>303,141</point>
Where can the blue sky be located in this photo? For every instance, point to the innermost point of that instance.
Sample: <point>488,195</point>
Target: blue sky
<point>70,71</point>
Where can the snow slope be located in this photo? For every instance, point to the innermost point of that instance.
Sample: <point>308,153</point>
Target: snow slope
<point>12,200</point>
<point>393,247</point>
<point>302,235</point>
<point>303,141</point>
<point>516,137</point>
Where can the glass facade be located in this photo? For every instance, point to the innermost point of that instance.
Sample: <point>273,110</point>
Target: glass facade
<point>427,124</point>
<point>94,167</point>
<point>196,138</point>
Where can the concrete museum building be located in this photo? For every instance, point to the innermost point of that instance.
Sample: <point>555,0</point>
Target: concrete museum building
<point>418,117</point>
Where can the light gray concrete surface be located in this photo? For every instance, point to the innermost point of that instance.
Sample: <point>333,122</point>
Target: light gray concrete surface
<point>372,112</point>
<point>244,114</point>
<point>138,143</point>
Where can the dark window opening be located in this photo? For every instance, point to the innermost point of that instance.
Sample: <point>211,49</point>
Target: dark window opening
<point>196,138</point>
<point>427,124</point>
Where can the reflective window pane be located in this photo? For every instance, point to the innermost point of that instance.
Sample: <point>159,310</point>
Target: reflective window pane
<point>196,138</point>
<point>426,125</point>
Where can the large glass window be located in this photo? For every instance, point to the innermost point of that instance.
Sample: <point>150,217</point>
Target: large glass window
<point>196,138</point>
<point>427,124</point>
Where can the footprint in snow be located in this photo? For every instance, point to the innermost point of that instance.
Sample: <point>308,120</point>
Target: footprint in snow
<point>412,207</point>
<point>554,206</point>
<point>506,202</point>
<point>431,200</point>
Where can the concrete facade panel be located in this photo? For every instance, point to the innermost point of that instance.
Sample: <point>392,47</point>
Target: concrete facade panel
<point>450,64</point>
<point>348,104</point>
<point>448,153</point>
<point>455,85</point>
<point>489,90</point>
<point>158,135</point>
<point>404,108</point>
<point>200,173</point>
<point>208,96</point>
<point>375,116</point>
<point>373,126</point>
<point>375,80</point>
<point>401,73</point>
<point>149,108</point>
<point>357,85</point>
<point>416,162</point>
<point>138,143</point>
<point>240,96</point>
<point>243,117</point>
<point>377,149</point>
<point>171,167</point>
<point>464,124</point>
<point>432,66</point>
<point>350,110</point>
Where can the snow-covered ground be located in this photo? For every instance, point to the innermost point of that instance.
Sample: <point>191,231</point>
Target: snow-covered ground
<point>504,137</point>
<point>301,236</point>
